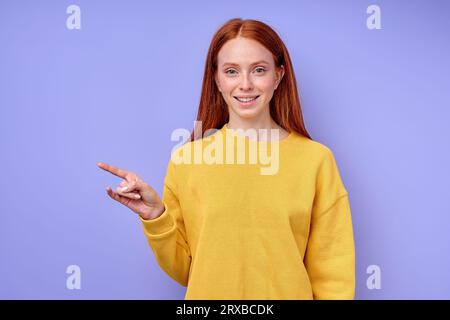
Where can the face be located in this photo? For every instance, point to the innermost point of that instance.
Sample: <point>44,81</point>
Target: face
<point>247,77</point>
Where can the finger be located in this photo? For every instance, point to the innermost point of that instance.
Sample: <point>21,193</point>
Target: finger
<point>125,186</point>
<point>131,195</point>
<point>114,170</point>
<point>124,183</point>
<point>117,197</point>
<point>120,198</point>
<point>133,186</point>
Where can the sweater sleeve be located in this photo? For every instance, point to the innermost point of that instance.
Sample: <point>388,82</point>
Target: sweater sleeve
<point>166,234</point>
<point>330,252</point>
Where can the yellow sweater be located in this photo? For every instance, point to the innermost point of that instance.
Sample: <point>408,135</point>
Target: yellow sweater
<point>230,232</point>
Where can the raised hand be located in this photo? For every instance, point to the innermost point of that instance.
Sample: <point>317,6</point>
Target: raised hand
<point>134,193</point>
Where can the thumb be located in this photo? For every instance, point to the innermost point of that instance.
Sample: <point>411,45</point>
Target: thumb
<point>134,186</point>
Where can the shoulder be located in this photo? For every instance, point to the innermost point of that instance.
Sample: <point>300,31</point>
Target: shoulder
<point>310,149</point>
<point>322,161</point>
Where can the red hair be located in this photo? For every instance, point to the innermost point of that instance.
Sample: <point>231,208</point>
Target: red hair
<point>285,107</point>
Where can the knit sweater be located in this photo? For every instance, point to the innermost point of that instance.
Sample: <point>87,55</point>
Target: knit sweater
<point>230,231</point>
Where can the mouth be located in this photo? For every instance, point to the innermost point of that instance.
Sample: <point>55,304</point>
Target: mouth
<point>246,101</point>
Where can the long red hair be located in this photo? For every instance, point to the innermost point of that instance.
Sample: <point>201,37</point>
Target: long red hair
<point>285,107</point>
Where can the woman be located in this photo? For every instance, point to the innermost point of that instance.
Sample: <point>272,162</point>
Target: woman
<point>228,230</point>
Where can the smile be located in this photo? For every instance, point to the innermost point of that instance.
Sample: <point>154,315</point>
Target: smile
<point>246,100</point>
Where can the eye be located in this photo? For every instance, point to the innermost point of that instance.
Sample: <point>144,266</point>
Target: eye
<point>260,70</point>
<point>230,71</point>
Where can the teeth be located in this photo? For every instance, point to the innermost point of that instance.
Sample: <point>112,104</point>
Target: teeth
<point>246,99</point>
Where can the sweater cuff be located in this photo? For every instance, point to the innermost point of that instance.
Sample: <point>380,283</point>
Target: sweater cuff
<point>158,227</point>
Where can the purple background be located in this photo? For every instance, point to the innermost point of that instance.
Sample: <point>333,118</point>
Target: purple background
<point>116,89</point>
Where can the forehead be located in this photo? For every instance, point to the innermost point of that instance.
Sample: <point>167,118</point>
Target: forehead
<point>243,51</point>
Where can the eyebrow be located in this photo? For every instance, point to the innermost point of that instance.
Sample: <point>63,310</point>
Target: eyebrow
<point>237,65</point>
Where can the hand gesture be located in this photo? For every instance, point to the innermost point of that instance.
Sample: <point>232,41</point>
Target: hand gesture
<point>134,193</point>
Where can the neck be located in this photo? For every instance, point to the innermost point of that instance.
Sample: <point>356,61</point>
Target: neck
<point>264,122</point>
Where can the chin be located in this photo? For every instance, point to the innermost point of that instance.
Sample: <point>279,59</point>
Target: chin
<point>247,113</point>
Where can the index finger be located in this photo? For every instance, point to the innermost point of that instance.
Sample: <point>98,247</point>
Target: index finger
<point>114,170</point>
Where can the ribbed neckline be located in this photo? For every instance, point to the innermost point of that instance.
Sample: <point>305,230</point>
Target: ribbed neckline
<point>232,131</point>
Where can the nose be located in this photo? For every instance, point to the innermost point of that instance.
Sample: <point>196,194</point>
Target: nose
<point>246,83</point>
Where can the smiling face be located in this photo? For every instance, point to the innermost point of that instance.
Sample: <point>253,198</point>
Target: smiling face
<point>247,77</point>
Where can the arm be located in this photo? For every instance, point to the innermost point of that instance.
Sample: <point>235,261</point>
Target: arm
<point>166,234</point>
<point>330,253</point>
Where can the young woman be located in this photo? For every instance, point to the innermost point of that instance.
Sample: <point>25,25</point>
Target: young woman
<point>227,229</point>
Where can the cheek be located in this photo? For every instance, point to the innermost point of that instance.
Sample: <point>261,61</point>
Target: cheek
<point>226,84</point>
<point>266,84</point>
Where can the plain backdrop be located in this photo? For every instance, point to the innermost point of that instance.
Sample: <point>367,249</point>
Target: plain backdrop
<point>114,91</point>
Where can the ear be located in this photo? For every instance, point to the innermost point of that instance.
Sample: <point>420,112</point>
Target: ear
<point>280,73</point>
